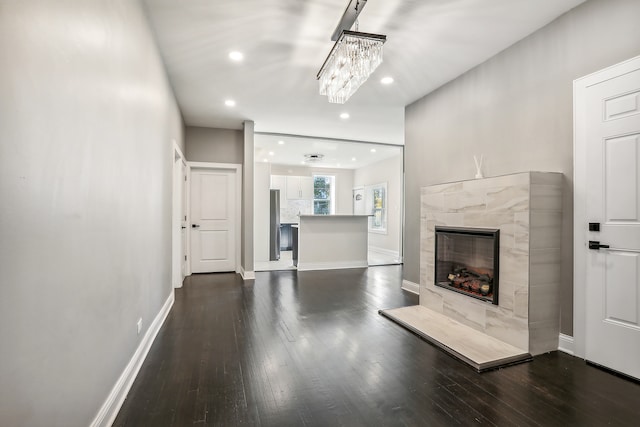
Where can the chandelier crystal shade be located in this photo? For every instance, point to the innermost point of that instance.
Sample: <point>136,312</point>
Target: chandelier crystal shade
<point>354,57</point>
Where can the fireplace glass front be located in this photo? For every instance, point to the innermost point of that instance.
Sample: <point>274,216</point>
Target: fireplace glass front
<point>467,261</point>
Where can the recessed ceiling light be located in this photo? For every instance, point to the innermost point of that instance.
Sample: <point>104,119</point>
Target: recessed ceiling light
<point>271,153</point>
<point>344,116</point>
<point>230,103</point>
<point>280,142</point>
<point>236,56</point>
<point>338,165</point>
<point>373,150</point>
<point>302,162</point>
<point>265,160</point>
<point>353,159</point>
<point>386,80</point>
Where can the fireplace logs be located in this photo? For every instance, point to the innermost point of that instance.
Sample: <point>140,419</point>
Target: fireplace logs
<point>471,279</point>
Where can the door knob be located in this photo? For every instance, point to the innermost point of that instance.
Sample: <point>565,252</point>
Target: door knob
<point>195,225</point>
<point>594,244</point>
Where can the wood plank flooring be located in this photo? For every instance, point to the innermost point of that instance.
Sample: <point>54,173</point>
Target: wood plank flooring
<point>309,348</point>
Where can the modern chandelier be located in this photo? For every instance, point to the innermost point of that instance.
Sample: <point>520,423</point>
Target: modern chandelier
<point>353,58</point>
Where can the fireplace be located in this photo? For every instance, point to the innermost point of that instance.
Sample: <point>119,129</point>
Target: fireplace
<point>467,261</point>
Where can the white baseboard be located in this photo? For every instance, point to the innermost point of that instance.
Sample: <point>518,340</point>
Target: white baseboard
<point>411,287</point>
<point>247,275</point>
<point>384,251</point>
<point>308,266</point>
<point>565,344</point>
<point>110,408</point>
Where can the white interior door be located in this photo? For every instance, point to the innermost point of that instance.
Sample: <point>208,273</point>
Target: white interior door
<point>359,207</point>
<point>178,222</point>
<point>213,220</point>
<point>612,136</point>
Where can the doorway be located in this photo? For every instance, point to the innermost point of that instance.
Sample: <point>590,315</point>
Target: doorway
<point>214,217</point>
<point>290,163</point>
<point>359,201</point>
<point>179,268</point>
<point>607,218</point>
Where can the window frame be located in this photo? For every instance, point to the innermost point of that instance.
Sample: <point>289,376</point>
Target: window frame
<point>332,194</point>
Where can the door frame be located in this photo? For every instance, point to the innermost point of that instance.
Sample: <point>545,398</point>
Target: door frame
<point>580,220</point>
<point>178,192</point>
<point>237,168</point>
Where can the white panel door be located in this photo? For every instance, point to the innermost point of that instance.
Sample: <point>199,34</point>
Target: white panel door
<point>178,225</point>
<point>613,200</point>
<point>213,218</point>
<point>359,202</point>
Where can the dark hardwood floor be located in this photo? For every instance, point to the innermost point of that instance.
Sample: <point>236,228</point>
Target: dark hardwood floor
<point>309,348</point>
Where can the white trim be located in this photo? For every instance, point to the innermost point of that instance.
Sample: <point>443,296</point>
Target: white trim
<point>239,178</point>
<point>308,266</point>
<point>177,148</point>
<point>580,219</point>
<point>247,275</point>
<point>188,221</point>
<point>565,344</point>
<point>110,408</point>
<point>384,251</point>
<point>410,287</point>
<point>212,165</point>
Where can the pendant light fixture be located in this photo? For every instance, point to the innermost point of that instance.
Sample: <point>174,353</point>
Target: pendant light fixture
<point>353,58</point>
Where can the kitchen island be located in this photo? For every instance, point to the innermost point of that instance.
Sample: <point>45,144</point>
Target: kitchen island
<point>332,241</point>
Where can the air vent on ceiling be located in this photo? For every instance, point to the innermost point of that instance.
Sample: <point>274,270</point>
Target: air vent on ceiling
<point>316,157</point>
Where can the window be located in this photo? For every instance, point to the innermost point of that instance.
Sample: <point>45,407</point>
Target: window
<point>377,200</point>
<point>323,195</point>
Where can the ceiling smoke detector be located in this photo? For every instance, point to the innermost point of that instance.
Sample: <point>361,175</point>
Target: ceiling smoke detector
<point>316,157</point>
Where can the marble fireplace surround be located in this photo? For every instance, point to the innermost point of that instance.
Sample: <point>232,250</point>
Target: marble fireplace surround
<point>526,207</point>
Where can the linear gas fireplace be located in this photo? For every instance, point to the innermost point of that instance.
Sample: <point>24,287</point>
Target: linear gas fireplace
<point>467,261</point>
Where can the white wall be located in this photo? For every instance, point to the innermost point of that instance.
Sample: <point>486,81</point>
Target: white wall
<point>517,110</point>
<point>86,122</point>
<point>261,215</point>
<point>389,171</point>
<point>214,145</point>
<point>246,233</point>
<point>344,182</point>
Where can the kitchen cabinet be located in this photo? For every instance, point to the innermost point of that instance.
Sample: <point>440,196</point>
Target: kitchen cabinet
<point>286,240</point>
<point>294,244</point>
<point>299,188</point>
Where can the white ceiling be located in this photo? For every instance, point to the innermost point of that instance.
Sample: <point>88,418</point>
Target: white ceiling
<point>429,42</point>
<point>338,154</point>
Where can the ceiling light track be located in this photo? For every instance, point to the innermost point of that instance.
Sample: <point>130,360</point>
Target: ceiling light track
<point>349,17</point>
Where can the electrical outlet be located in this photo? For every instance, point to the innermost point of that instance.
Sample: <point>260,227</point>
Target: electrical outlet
<point>139,325</point>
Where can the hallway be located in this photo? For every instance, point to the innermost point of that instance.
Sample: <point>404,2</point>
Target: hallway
<point>310,349</point>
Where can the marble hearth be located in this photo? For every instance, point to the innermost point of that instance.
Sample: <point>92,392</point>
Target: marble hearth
<point>526,207</point>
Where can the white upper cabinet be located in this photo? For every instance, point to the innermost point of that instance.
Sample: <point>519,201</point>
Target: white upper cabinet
<point>299,187</point>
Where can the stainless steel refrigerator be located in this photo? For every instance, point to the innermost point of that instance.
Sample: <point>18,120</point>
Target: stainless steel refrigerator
<point>274,225</point>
